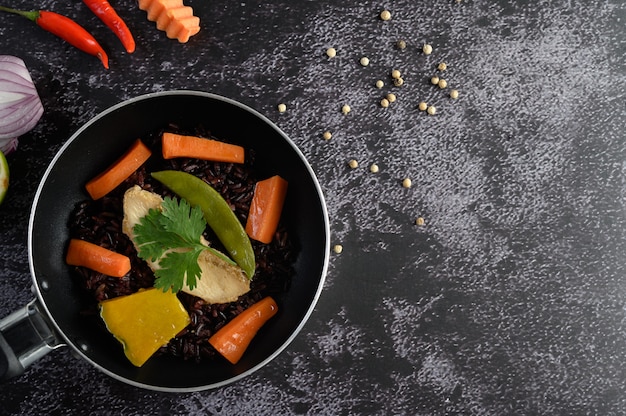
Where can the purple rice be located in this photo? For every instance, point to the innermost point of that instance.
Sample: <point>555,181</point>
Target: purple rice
<point>100,222</point>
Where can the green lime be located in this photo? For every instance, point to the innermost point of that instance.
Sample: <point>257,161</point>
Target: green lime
<point>4,176</point>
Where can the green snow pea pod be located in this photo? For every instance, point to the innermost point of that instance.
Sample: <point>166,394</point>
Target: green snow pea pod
<point>217,214</point>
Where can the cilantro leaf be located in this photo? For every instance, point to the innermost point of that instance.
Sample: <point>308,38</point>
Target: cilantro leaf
<point>174,261</point>
<point>150,238</point>
<point>177,218</point>
<point>172,236</point>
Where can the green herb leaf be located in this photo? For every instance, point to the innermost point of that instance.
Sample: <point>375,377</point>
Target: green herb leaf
<point>172,236</point>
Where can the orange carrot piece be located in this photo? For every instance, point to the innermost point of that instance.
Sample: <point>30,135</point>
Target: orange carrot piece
<point>233,339</point>
<point>176,145</point>
<point>173,17</point>
<point>85,254</point>
<point>265,209</point>
<point>183,28</point>
<point>121,169</point>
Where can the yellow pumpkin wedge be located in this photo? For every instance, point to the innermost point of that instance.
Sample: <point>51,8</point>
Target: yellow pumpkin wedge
<point>144,321</point>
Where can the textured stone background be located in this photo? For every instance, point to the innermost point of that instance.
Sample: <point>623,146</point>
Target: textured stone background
<point>509,300</point>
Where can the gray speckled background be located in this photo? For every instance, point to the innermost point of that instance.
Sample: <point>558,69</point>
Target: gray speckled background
<point>509,300</point>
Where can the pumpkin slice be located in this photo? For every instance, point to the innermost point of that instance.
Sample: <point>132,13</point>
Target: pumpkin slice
<point>144,321</point>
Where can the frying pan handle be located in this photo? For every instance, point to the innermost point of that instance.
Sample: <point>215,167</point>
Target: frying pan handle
<point>25,337</point>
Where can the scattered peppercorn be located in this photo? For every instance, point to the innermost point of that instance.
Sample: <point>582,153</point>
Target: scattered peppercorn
<point>282,108</point>
<point>406,182</point>
<point>380,84</point>
<point>338,248</point>
<point>401,44</point>
<point>331,52</point>
<point>353,164</point>
<point>385,15</point>
<point>442,66</point>
<point>434,80</point>
<point>442,83</point>
<point>374,168</point>
<point>395,74</point>
<point>427,49</point>
<point>391,97</point>
<point>398,82</point>
<point>365,61</point>
<point>419,221</point>
<point>346,109</point>
<point>384,103</point>
<point>422,106</point>
<point>327,135</point>
<point>454,94</point>
<point>431,110</point>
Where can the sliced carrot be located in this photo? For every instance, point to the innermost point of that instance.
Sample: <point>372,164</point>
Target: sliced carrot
<point>266,208</point>
<point>176,145</point>
<point>183,28</point>
<point>173,17</point>
<point>233,339</point>
<point>154,8</point>
<point>85,254</point>
<point>121,169</point>
<point>173,14</point>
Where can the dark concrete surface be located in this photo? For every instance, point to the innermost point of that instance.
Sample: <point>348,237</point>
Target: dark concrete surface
<point>510,299</point>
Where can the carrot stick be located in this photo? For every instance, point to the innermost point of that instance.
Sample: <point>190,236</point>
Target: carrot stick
<point>265,209</point>
<point>85,254</point>
<point>233,338</point>
<point>121,169</point>
<point>176,145</point>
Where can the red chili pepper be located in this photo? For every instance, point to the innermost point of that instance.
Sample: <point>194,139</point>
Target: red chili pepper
<point>66,29</point>
<point>108,15</point>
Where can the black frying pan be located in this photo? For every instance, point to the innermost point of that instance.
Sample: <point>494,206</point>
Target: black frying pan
<point>53,318</point>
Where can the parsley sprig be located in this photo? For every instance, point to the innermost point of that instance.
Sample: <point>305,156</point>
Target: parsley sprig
<point>171,235</point>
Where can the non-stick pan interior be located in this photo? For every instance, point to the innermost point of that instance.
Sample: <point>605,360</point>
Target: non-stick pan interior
<point>99,143</point>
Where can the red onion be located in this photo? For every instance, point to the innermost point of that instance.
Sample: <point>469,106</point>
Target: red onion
<point>20,105</point>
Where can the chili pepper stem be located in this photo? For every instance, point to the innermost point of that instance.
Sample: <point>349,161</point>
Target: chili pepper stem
<point>30,15</point>
<point>66,29</point>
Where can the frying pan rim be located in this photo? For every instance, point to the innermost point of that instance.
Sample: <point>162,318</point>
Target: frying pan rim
<point>41,296</point>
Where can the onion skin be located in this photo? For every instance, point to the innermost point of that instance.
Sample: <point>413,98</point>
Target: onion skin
<point>8,145</point>
<point>20,105</point>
